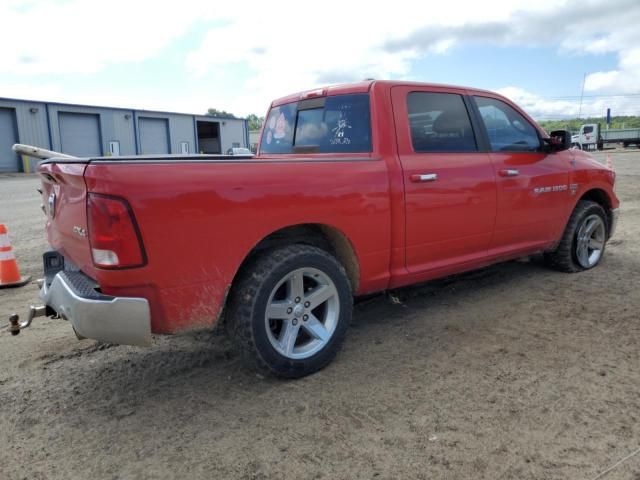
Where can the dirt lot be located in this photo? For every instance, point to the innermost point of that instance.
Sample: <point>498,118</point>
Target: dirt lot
<point>512,372</point>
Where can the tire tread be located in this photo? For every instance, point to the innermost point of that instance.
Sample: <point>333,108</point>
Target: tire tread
<point>562,258</point>
<point>242,306</point>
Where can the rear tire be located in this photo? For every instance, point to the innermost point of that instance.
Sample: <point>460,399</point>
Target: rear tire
<point>289,311</point>
<point>583,241</point>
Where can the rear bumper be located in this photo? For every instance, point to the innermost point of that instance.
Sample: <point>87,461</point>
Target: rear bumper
<point>615,215</point>
<point>123,320</point>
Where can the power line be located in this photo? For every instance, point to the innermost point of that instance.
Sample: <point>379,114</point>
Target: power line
<point>594,96</point>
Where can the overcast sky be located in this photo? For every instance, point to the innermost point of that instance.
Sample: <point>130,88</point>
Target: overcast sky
<point>189,55</point>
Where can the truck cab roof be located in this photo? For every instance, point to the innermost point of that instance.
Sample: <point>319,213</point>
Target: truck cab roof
<point>364,87</point>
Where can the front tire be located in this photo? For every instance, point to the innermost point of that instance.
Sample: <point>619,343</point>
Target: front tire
<point>583,242</point>
<point>290,310</point>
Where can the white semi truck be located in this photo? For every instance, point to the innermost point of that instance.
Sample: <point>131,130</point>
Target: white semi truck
<point>592,137</point>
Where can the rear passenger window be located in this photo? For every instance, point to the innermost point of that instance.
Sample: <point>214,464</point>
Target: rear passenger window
<point>508,130</point>
<point>439,122</point>
<point>334,124</point>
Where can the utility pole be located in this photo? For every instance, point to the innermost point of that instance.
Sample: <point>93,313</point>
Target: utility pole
<point>584,79</point>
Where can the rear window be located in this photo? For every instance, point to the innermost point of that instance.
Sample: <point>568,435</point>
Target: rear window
<point>439,122</point>
<point>337,124</point>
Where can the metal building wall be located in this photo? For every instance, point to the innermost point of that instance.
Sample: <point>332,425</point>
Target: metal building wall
<point>115,125</point>
<point>9,161</point>
<point>233,131</point>
<point>180,128</point>
<point>119,127</point>
<point>38,124</point>
<point>31,120</point>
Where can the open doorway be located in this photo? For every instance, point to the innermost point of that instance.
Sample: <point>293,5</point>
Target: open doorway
<point>208,137</point>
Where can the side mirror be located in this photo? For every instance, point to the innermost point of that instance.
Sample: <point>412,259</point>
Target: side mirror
<point>559,140</point>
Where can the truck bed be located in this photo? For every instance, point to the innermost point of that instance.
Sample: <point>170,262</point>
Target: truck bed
<point>621,135</point>
<point>199,215</point>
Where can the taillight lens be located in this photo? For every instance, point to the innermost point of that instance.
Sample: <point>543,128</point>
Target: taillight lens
<point>113,233</point>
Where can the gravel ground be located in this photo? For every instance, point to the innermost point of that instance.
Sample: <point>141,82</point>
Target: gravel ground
<point>514,371</point>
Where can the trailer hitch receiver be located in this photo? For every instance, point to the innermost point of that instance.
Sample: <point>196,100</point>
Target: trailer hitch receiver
<point>15,325</point>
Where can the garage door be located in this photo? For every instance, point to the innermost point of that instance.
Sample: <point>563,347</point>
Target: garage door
<point>154,135</point>
<point>8,136</point>
<point>80,134</point>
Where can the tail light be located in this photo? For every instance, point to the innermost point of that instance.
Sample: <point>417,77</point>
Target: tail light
<point>113,233</point>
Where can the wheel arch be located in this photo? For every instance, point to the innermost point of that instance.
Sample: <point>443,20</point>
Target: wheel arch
<point>601,197</point>
<point>323,236</point>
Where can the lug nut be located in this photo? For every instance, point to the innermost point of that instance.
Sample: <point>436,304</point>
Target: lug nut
<point>306,304</point>
<point>305,317</point>
<point>289,310</point>
<point>297,299</point>
<point>294,321</point>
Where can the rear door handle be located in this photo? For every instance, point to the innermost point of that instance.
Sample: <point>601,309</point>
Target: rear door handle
<point>509,172</point>
<point>424,177</point>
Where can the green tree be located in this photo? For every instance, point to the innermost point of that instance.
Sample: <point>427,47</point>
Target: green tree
<point>214,112</point>
<point>574,124</point>
<point>255,122</point>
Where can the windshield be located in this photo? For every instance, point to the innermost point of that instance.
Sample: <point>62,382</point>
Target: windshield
<point>337,124</point>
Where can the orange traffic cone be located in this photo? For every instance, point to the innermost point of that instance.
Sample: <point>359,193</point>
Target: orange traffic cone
<point>9,273</point>
<point>609,162</point>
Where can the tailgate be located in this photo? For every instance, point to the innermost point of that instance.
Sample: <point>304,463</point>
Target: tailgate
<point>64,199</point>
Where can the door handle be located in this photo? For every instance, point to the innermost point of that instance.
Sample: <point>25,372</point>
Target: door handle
<point>424,177</point>
<point>509,172</point>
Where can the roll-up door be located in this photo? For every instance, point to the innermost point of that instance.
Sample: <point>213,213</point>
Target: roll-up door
<point>80,134</point>
<point>154,135</point>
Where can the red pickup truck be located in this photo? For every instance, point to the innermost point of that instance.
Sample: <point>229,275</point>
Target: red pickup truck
<point>355,189</point>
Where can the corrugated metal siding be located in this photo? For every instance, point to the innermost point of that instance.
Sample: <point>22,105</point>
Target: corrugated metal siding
<point>181,128</point>
<point>233,131</point>
<point>31,120</point>
<point>117,126</point>
<point>8,136</point>
<point>38,124</point>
